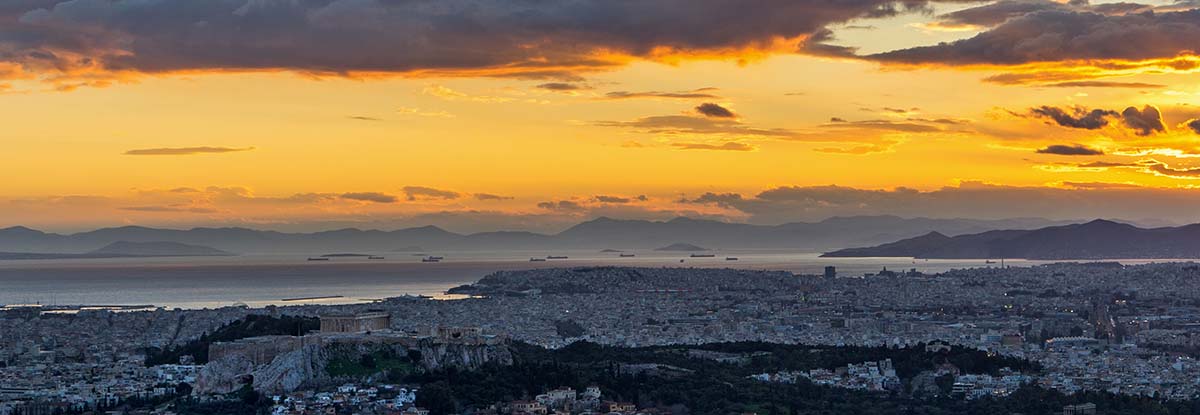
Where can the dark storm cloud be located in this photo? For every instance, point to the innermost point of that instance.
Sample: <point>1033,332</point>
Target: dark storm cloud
<point>510,37</point>
<point>1145,121</point>
<point>1078,117</point>
<point>712,110</point>
<point>1056,35</point>
<point>374,197</point>
<point>1070,150</point>
<point>184,151</point>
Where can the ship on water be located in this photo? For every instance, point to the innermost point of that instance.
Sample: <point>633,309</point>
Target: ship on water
<point>318,259</point>
<point>537,259</point>
<point>556,257</point>
<point>432,259</point>
<point>703,255</point>
<point>375,257</point>
<point>628,255</point>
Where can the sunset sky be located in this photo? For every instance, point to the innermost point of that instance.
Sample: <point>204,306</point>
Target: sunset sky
<point>529,114</point>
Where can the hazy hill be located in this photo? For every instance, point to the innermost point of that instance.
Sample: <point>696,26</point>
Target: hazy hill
<point>594,234</point>
<point>123,249</point>
<point>1098,239</point>
<point>680,247</point>
<point>153,249</point>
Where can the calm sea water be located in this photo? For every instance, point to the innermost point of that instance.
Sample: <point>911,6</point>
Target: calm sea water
<point>259,280</point>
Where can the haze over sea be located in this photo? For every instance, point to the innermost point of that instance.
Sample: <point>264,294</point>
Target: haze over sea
<point>260,280</point>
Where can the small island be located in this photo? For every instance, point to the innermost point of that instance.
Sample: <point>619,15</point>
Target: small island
<point>681,247</point>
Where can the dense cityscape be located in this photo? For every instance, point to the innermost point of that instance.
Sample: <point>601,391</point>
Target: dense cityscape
<point>1089,327</point>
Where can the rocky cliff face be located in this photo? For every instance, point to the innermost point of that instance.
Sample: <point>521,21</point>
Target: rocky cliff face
<point>436,355</point>
<point>306,366</point>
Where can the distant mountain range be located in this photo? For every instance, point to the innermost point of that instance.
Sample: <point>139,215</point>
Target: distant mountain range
<point>124,249</point>
<point>1098,239</point>
<point>594,234</point>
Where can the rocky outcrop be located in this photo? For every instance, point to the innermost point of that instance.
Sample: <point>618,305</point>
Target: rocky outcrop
<point>293,370</point>
<point>437,355</point>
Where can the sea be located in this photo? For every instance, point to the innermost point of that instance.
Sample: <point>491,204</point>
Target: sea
<point>261,280</point>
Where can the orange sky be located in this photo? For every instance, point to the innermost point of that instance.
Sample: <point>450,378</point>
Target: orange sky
<point>556,127</point>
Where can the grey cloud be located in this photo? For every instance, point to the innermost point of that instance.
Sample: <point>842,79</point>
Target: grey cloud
<point>1070,150</point>
<point>1078,118</point>
<point>501,38</point>
<point>998,12</point>
<point>374,197</point>
<point>969,200</point>
<point>1194,125</point>
<point>612,199</point>
<point>712,110</point>
<point>489,196</point>
<point>693,94</point>
<point>1105,164</point>
<point>726,200</point>
<point>1163,169</point>
<point>562,206</point>
<point>1056,35</point>
<point>1146,121</point>
<point>563,86</point>
<point>995,13</point>
<point>422,192</point>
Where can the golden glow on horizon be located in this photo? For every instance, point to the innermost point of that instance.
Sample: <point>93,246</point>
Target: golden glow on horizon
<point>503,142</point>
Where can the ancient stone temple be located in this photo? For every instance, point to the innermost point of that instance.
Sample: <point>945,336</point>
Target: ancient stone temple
<point>356,323</point>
